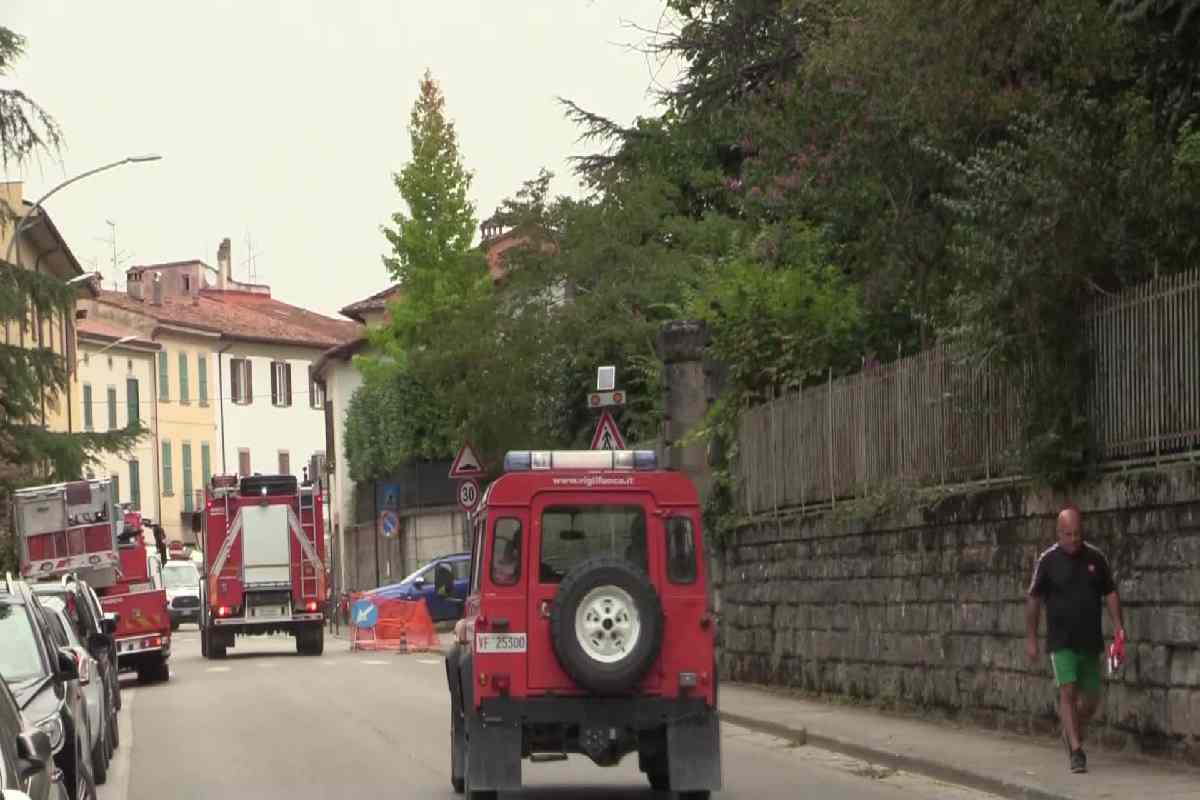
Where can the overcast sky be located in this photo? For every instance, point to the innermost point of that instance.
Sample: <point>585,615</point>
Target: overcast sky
<point>284,119</point>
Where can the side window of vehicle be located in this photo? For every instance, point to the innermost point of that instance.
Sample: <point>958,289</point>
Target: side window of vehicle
<point>681,550</point>
<point>506,552</point>
<point>462,569</point>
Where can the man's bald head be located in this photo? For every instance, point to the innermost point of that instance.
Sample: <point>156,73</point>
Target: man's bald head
<point>1070,529</point>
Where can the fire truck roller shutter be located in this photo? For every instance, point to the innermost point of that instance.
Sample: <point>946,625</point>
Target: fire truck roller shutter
<point>606,625</point>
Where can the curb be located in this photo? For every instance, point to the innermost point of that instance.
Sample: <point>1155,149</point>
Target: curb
<point>897,761</point>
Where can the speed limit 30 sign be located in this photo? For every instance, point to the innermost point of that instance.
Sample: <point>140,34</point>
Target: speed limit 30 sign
<point>468,494</point>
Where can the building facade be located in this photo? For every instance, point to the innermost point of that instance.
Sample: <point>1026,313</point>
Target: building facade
<point>115,389</point>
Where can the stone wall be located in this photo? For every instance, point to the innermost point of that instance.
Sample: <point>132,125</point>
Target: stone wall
<point>924,608</point>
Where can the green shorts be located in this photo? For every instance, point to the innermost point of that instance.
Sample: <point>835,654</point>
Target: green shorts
<point>1077,667</point>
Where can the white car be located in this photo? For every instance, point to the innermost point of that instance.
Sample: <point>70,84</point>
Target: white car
<point>91,683</point>
<point>181,579</point>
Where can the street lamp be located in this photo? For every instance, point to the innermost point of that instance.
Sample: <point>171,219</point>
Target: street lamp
<point>24,218</point>
<point>110,346</point>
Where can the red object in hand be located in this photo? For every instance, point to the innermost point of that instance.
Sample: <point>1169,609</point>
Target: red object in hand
<point>1116,653</point>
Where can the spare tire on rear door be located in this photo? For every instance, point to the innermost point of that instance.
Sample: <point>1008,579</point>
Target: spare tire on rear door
<point>606,625</point>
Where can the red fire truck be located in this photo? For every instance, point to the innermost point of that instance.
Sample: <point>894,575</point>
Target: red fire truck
<point>78,528</point>
<point>68,527</point>
<point>264,572</point>
<point>140,601</point>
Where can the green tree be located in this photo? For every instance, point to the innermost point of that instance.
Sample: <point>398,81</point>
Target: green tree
<point>29,453</point>
<point>403,410</point>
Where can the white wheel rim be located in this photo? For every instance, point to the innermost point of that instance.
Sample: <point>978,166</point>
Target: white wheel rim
<point>607,624</point>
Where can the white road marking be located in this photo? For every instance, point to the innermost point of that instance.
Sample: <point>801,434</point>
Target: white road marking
<point>219,669</point>
<point>374,662</point>
<point>432,661</point>
<point>265,665</point>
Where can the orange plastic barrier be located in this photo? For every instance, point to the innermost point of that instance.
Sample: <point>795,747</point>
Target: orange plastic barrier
<point>402,626</point>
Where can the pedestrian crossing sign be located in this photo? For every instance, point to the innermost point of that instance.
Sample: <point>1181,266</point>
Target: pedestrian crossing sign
<point>608,435</point>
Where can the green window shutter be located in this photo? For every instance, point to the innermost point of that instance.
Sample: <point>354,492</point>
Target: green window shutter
<point>112,408</point>
<point>168,485</point>
<point>184,394</point>
<point>205,463</point>
<point>116,482</point>
<point>134,400</point>
<point>202,379</point>
<point>135,485</point>
<point>185,459</point>
<point>164,388</point>
<point>87,406</point>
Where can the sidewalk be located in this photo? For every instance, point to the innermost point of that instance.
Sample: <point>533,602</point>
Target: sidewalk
<point>1006,765</point>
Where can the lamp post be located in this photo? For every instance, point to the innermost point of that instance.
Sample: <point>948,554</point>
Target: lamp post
<point>110,346</point>
<point>23,220</point>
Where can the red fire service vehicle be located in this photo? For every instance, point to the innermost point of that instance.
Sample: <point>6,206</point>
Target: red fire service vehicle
<point>68,527</point>
<point>587,629</point>
<point>264,546</point>
<point>140,602</point>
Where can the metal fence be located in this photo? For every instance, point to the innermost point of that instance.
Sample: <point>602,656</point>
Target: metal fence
<point>933,418</point>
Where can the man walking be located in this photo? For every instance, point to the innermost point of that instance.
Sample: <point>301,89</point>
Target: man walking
<point>1073,581</point>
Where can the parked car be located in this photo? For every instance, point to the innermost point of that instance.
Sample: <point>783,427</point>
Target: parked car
<point>26,759</point>
<point>90,680</point>
<point>44,678</point>
<point>423,585</point>
<point>92,623</point>
<point>181,579</point>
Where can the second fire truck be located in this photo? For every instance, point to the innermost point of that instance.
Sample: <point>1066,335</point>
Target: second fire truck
<point>264,545</point>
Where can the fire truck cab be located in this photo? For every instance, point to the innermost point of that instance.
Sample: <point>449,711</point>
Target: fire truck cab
<point>264,543</point>
<point>587,628</point>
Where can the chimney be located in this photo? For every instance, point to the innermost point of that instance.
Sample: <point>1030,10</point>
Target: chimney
<point>224,268</point>
<point>133,284</point>
<point>156,290</point>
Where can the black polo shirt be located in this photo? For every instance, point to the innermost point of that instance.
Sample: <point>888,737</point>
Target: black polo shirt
<point>1073,587</point>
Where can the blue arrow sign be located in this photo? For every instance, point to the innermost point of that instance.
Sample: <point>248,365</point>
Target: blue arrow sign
<point>364,614</point>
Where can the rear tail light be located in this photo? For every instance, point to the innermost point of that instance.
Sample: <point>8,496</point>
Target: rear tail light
<point>311,605</point>
<point>223,611</point>
<point>501,683</point>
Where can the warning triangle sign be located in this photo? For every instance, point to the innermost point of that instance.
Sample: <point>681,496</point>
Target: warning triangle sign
<point>608,435</point>
<point>466,463</point>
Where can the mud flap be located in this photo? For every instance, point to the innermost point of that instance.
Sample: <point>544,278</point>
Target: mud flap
<point>493,746</point>
<point>694,753</point>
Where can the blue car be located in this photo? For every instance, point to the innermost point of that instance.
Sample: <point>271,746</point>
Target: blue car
<point>455,571</point>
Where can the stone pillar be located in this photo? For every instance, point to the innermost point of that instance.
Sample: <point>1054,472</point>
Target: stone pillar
<point>687,394</point>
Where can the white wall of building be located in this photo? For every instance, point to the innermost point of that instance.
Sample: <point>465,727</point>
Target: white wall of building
<point>262,428</point>
<point>342,381</point>
<point>113,369</point>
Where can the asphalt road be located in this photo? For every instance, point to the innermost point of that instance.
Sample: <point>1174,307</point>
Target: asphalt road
<point>266,723</point>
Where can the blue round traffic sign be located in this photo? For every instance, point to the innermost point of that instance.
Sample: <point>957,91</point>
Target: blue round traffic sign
<point>389,524</point>
<point>364,614</point>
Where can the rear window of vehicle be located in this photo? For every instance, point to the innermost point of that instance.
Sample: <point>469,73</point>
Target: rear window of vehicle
<point>181,575</point>
<point>681,551</point>
<point>573,534</point>
<point>20,658</point>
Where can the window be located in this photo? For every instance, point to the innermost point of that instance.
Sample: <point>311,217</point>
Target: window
<point>134,401</point>
<point>164,388</point>
<point>241,381</point>
<point>573,534</point>
<point>205,463</point>
<point>116,484</point>
<point>187,283</point>
<point>112,408</point>
<point>243,461</point>
<point>462,569</point>
<point>316,392</point>
<point>135,484</point>
<point>185,461</point>
<point>184,392</point>
<point>285,463</point>
<point>202,378</point>
<point>681,550</point>
<point>87,407</point>
<point>281,383</point>
<point>506,552</point>
<point>477,557</point>
<point>168,485</point>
